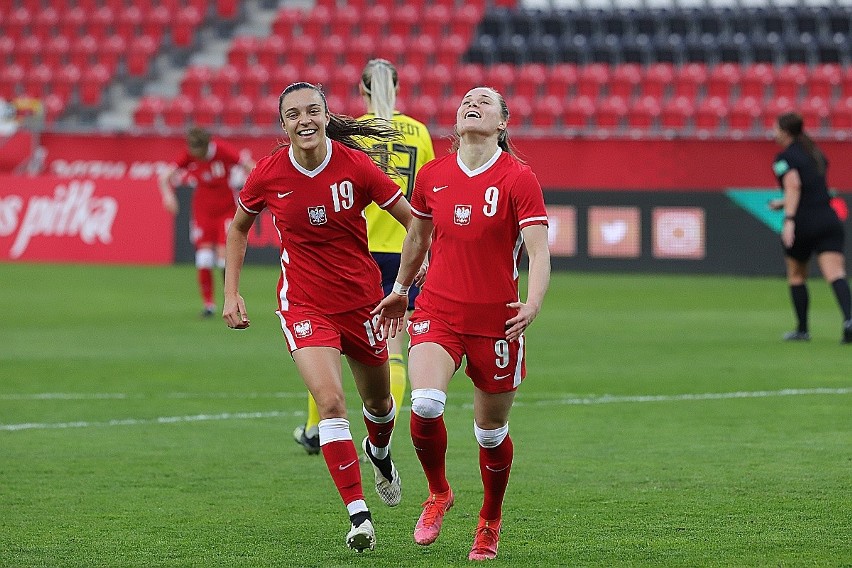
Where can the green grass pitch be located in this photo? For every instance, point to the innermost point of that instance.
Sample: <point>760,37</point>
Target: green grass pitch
<point>662,423</point>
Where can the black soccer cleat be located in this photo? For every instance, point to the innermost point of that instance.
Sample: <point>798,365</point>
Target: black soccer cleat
<point>310,444</point>
<point>847,332</point>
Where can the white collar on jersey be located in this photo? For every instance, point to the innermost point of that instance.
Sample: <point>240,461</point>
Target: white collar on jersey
<point>319,168</point>
<point>211,151</point>
<point>480,169</point>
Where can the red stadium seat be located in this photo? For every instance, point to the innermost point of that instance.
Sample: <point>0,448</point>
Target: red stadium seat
<point>177,111</point>
<point>611,112</point>
<point>243,51</point>
<point>548,111</point>
<point>392,48</point>
<point>18,23</point>
<point>450,49</point>
<point>644,112</point>
<point>447,111</point>
<point>579,111</point>
<point>66,81</point>
<point>317,75</point>
<point>223,82</point>
<point>148,111</point>
<point>83,50</point>
<point>676,113</point>
<point>846,82</point>
<point>520,110</point>
<point>501,77</point>
<point>722,80</point>
<point>282,76</point>
<point>316,23</point>
<point>156,21</point>
<point>140,52</point>
<point>92,85</point>
<point>37,81</point>
<point>823,81</point>
<point>591,80</point>
<point>11,78</point>
<point>101,22</point>
<point>286,19</point>
<point>530,80</point>
<point>840,117</point>
<point>424,109</point>
<point>815,112</point>
<point>73,22</point>
<point>330,52</point>
<point>464,20</point>
<point>624,80</point>
<point>756,80</point>
<point>344,20</point>
<point>302,51</point>
<point>690,80</point>
<point>436,81</point>
<point>467,76</point>
<point>45,23</point>
<point>128,22</point>
<point>208,110</point>
<point>375,21</point>
<point>185,24</point>
<point>710,114</point>
<point>196,81</point>
<point>227,9</point>
<point>434,20</point>
<point>744,114</point>
<point>271,51</point>
<point>358,50</point>
<point>265,113</point>
<point>790,80</point>
<point>53,108</point>
<point>237,111</point>
<point>111,50</point>
<point>28,50</point>
<point>561,79</point>
<point>420,50</point>
<point>403,20</point>
<point>656,80</point>
<point>7,48</point>
<point>56,51</point>
<point>253,82</point>
<point>344,81</point>
<point>774,108</point>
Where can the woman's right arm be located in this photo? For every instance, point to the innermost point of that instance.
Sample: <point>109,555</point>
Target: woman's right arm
<point>234,309</point>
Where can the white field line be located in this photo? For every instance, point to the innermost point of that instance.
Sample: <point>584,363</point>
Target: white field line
<point>564,401</point>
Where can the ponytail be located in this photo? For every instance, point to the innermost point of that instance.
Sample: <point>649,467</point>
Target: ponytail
<point>379,81</point>
<point>793,124</point>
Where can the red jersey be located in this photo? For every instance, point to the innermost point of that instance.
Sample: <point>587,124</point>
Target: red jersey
<point>319,214</point>
<point>477,242</point>
<point>209,176</point>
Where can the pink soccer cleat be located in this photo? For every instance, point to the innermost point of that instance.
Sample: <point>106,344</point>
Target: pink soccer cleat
<point>485,540</point>
<point>429,524</point>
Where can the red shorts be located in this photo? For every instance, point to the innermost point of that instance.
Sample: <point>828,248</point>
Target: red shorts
<point>493,364</point>
<point>211,227</point>
<point>352,333</point>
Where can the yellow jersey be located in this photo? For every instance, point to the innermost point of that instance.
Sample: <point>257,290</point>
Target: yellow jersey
<point>384,233</point>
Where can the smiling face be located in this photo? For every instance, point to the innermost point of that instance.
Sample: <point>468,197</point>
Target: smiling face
<point>481,112</point>
<point>304,118</point>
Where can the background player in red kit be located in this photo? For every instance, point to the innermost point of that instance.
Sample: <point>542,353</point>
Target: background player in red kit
<point>206,165</point>
<point>477,208</point>
<point>316,190</point>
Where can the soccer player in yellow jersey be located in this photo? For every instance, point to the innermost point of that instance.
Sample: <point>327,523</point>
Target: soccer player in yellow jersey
<point>379,87</point>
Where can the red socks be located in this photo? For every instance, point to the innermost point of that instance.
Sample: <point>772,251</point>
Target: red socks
<point>429,436</point>
<point>494,465</point>
<point>342,461</point>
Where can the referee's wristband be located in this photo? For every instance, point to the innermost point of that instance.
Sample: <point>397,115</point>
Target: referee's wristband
<point>400,289</point>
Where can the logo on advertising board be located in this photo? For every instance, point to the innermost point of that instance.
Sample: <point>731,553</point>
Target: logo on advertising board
<point>45,218</point>
<point>679,232</point>
<point>72,211</point>
<point>614,232</point>
<point>562,230</point>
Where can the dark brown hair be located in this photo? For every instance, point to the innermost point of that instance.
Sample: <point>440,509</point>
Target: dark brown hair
<point>197,137</point>
<point>348,131</point>
<point>793,124</point>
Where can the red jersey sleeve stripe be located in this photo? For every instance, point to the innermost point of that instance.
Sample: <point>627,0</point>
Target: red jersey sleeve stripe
<point>420,214</point>
<point>246,209</point>
<point>533,221</point>
<point>391,201</point>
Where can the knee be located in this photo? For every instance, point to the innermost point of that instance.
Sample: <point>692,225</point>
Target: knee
<point>331,405</point>
<point>379,407</point>
<point>490,438</point>
<point>428,403</point>
<point>205,258</point>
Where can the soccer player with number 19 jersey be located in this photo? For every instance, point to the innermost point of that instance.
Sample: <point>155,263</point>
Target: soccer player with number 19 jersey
<point>477,208</point>
<point>316,191</point>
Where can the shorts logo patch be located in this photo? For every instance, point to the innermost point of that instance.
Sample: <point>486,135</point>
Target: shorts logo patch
<point>420,327</point>
<point>303,328</point>
<point>317,215</point>
<point>461,214</point>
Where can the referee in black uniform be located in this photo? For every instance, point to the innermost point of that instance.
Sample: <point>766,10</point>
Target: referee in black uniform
<point>811,226</point>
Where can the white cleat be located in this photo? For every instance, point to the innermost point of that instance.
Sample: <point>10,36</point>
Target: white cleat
<point>389,490</point>
<point>362,537</point>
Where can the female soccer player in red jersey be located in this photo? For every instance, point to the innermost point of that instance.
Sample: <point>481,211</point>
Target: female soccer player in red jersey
<point>206,165</point>
<point>477,208</point>
<point>316,189</point>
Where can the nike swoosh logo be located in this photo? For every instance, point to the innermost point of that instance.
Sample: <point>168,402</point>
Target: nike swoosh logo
<point>283,195</point>
<point>437,189</point>
<point>489,468</point>
<point>501,377</point>
<point>379,350</point>
<point>350,464</point>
